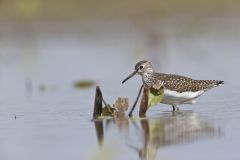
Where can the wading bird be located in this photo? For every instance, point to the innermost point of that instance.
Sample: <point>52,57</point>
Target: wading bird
<point>177,89</point>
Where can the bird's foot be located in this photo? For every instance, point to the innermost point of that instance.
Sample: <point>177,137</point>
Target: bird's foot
<point>175,108</point>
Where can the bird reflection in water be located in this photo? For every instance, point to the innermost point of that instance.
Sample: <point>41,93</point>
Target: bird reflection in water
<point>153,133</point>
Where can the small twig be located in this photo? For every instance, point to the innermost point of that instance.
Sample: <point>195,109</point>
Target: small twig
<point>135,103</point>
<point>105,103</point>
<point>109,109</point>
<point>108,106</point>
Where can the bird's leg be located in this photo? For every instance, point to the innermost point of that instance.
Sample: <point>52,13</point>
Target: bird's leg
<point>135,103</point>
<point>175,108</point>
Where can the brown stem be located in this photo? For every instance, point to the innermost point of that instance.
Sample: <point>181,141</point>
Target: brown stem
<point>144,103</point>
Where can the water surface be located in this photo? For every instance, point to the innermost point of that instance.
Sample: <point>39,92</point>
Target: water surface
<point>42,115</point>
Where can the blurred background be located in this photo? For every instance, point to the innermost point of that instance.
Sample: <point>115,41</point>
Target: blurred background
<point>53,53</point>
<point>46,43</point>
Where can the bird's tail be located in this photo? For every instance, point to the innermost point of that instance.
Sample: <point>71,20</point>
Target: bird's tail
<point>219,83</point>
<point>208,84</point>
<point>214,83</point>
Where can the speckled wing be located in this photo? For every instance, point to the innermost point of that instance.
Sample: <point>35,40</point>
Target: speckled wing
<point>185,84</point>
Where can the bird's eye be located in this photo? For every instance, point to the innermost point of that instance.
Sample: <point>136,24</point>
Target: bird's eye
<point>141,67</point>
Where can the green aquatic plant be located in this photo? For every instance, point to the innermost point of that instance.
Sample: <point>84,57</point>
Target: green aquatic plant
<point>151,97</point>
<point>155,96</point>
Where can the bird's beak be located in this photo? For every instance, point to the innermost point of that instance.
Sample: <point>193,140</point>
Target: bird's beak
<point>130,76</point>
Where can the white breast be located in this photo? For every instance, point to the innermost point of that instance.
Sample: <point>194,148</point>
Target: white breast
<point>173,97</point>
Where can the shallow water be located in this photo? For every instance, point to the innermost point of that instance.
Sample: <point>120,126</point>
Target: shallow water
<point>55,122</point>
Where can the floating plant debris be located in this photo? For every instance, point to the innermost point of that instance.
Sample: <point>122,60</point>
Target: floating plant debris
<point>116,110</point>
<point>83,84</point>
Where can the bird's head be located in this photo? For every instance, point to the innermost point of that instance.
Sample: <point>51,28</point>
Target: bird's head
<point>141,68</point>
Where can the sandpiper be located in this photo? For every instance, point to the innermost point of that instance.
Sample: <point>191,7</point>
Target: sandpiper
<point>177,89</point>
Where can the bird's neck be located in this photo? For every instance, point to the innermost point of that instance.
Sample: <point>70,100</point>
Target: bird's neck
<point>147,79</point>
